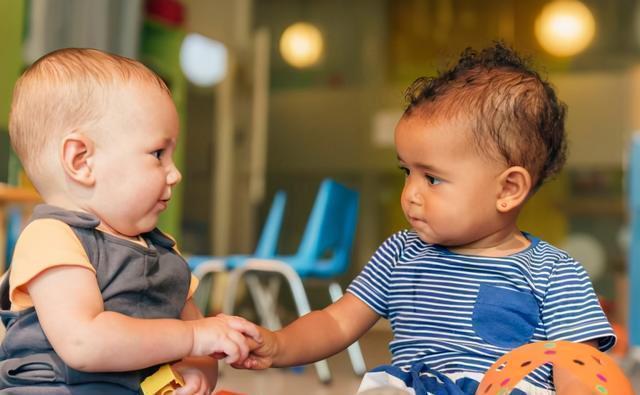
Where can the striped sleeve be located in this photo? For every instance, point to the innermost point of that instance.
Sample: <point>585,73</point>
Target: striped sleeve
<point>571,310</point>
<point>372,284</point>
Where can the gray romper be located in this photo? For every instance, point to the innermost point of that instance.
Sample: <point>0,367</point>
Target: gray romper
<point>136,281</point>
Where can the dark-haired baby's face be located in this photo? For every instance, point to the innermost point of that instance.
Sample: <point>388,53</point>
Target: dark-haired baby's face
<point>450,191</point>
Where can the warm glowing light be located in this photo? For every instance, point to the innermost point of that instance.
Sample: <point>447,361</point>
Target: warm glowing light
<point>565,27</point>
<point>301,45</point>
<point>203,60</point>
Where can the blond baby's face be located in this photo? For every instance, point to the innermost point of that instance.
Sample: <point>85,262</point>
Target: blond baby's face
<point>133,163</point>
<point>450,191</point>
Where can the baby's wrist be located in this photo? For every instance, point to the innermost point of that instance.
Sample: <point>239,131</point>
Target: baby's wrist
<point>277,344</point>
<point>191,337</point>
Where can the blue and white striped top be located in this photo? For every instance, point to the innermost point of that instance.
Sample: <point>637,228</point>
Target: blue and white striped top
<point>459,313</point>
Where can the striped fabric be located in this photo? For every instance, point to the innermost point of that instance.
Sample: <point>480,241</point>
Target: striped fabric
<point>459,313</point>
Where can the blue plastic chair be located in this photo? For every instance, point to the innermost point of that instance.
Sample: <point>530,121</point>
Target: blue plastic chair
<point>201,265</point>
<point>324,253</point>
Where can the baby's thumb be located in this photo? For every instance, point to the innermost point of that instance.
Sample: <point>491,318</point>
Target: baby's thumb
<point>218,355</point>
<point>251,343</point>
<point>187,389</point>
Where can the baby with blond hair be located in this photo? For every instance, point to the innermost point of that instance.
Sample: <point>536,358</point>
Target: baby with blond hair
<point>97,296</point>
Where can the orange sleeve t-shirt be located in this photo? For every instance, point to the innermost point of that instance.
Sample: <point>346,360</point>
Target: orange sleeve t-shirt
<point>44,244</point>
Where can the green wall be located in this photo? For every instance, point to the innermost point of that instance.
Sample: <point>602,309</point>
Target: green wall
<point>11,27</point>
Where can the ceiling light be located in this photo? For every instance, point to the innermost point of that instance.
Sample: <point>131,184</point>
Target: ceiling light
<point>301,45</point>
<point>564,28</point>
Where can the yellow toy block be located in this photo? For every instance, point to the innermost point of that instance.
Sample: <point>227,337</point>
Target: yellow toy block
<point>162,382</point>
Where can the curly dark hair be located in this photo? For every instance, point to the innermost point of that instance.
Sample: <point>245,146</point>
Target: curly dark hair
<point>512,111</point>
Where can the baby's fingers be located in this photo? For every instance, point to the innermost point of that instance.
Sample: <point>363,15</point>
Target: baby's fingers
<point>252,344</point>
<point>188,389</point>
<point>233,348</point>
<point>256,363</point>
<point>241,344</point>
<point>242,325</point>
<point>230,352</point>
<point>195,382</point>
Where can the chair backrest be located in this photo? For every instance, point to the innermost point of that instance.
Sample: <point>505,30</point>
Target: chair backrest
<point>268,242</point>
<point>328,237</point>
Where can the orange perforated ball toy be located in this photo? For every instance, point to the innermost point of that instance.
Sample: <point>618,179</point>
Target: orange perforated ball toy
<point>595,369</point>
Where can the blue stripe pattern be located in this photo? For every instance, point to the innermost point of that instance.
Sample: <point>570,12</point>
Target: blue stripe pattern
<point>429,295</point>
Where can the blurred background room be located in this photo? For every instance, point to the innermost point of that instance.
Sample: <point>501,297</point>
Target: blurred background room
<point>281,94</point>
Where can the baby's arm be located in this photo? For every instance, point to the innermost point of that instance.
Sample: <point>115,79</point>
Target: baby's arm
<point>314,336</point>
<point>69,305</point>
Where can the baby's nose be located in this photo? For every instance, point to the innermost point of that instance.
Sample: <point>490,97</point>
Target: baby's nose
<point>174,176</point>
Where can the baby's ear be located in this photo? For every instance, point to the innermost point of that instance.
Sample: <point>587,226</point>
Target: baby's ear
<point>515,185</point>
<point>77,152</point>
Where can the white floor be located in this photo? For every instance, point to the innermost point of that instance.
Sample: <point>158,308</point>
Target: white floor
<point>345,382</point>
<point>288,381</point>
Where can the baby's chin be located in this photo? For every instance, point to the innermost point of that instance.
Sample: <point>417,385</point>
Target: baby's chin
<point>432,239</point>
<point>137,229</point>
<point>426,238</point>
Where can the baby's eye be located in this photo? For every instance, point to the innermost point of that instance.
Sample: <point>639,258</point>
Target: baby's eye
<point>433,180</point>
<point>404,170</point>
<point>157,153</point>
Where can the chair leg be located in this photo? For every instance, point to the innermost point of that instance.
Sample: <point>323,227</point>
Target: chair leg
<point>265,300</point>
<point>302,304</point>
<point>355,353</point>
<point>229,300</point>
<point>297,290</point>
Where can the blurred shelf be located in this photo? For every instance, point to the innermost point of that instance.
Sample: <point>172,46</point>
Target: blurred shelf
<point>10,194</point>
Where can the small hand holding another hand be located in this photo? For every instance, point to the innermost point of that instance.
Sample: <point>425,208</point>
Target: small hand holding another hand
<point>223,336</point>
<point>261,353</point>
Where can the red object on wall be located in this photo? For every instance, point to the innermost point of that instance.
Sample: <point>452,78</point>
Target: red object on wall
<point>167,11</point>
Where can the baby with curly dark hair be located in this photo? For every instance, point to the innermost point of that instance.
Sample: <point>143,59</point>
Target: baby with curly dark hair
<point>464,285</point>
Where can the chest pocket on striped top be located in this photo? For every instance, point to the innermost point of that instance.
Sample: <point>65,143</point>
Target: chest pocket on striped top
<point>504,317</point>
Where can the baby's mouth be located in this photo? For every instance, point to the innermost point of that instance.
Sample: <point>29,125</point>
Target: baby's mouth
<point>163,203</point>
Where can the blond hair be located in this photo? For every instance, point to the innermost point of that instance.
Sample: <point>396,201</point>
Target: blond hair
<point>62,92</point>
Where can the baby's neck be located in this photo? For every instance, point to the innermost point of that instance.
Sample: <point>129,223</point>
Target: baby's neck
<point>502,243</point>
<point>103,227</point>
<point>67,204</point>
<point>60,200</point>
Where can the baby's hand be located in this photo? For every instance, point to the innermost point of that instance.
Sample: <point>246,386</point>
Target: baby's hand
<point>223,336</point>
<point>261,353</point>
<point>195,381</point>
